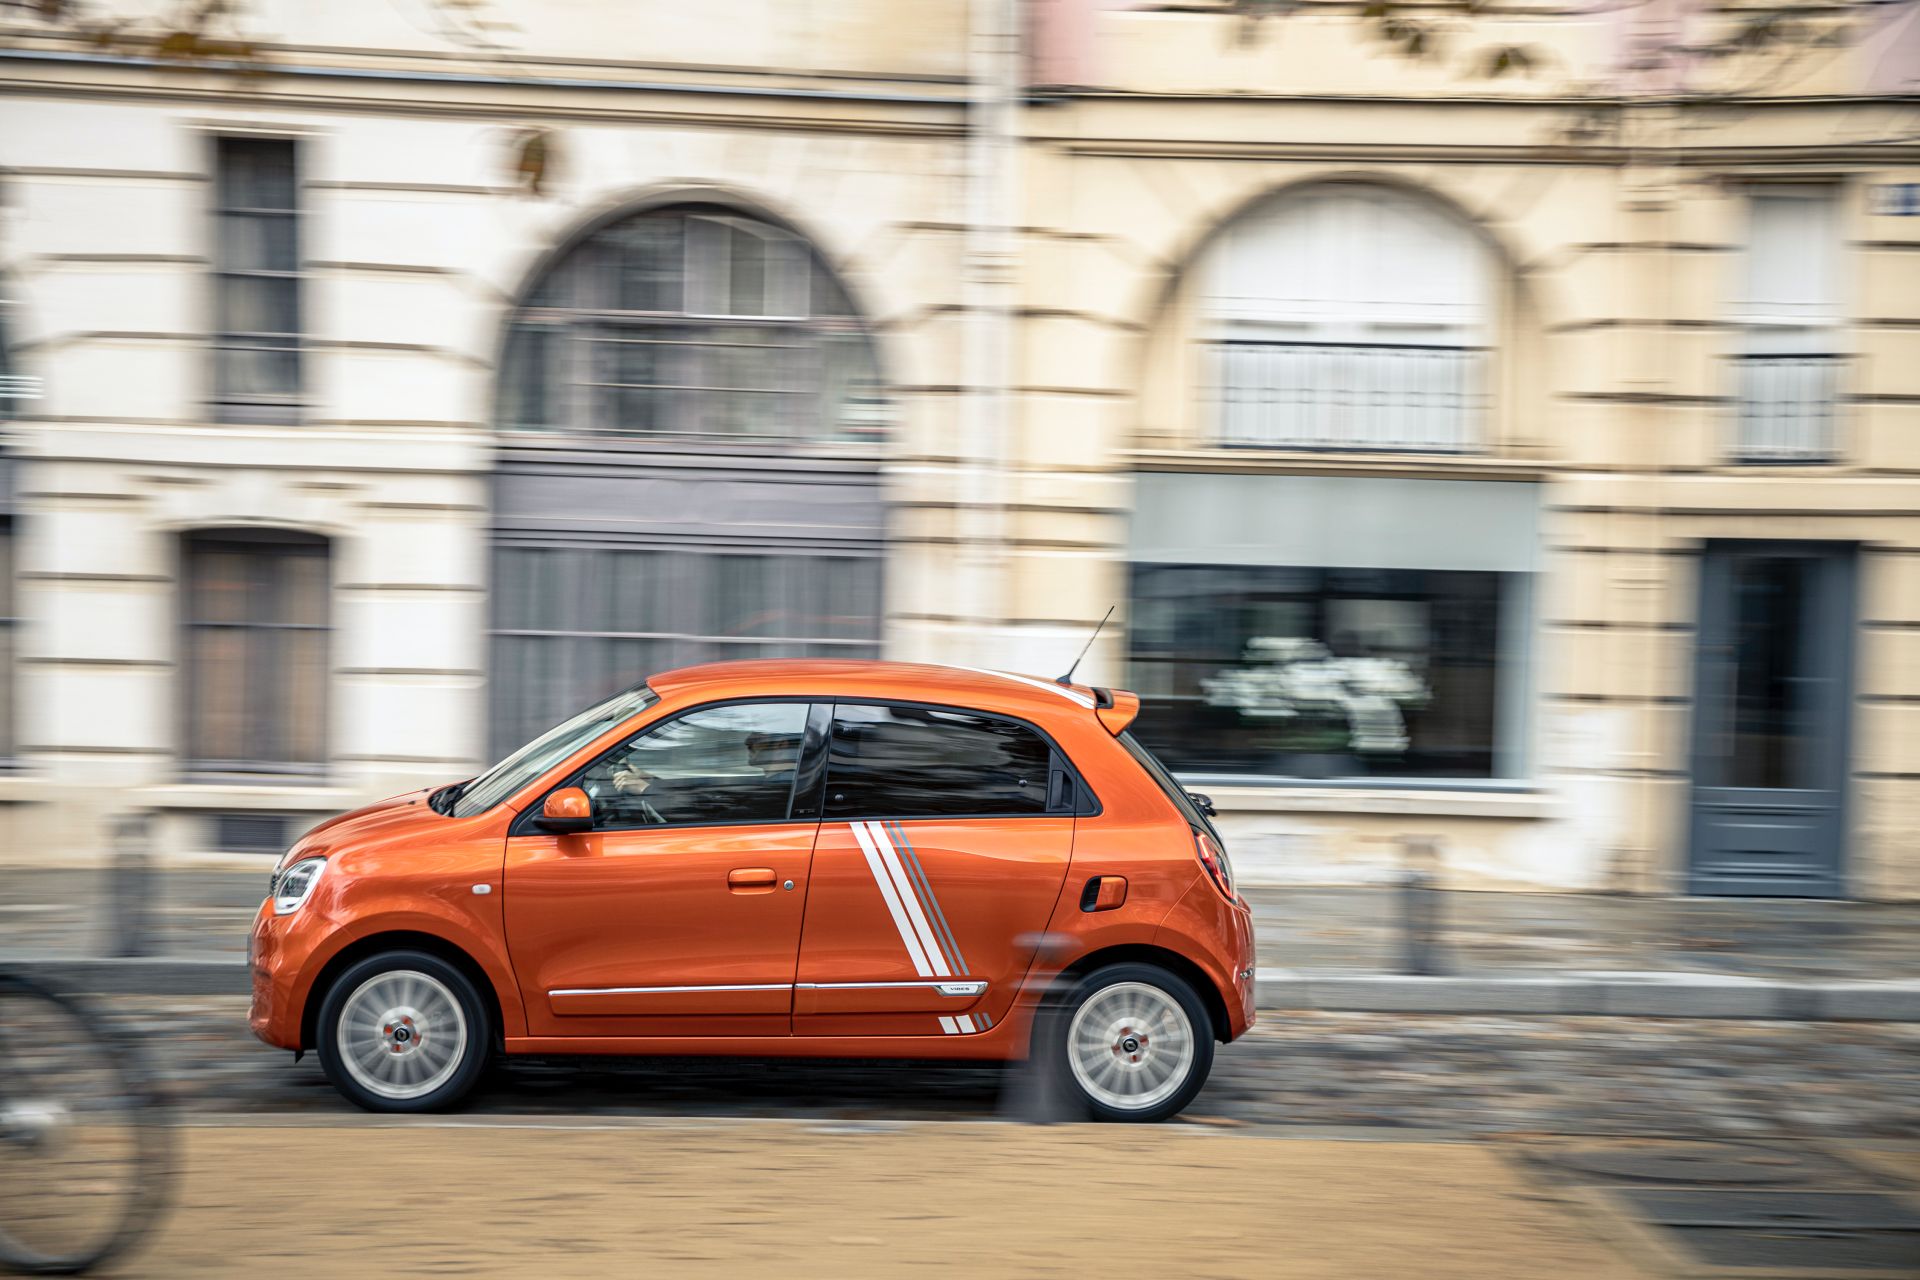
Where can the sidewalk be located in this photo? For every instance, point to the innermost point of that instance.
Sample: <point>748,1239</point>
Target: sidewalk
<point>731,1198</point>
<point>1320,948</point>
<point>1347,949</point>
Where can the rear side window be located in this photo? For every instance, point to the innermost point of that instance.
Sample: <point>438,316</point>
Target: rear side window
<point>909,762</point>
<point>1169,784</point>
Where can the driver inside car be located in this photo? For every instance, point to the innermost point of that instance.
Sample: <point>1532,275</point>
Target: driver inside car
<point>729,791</point>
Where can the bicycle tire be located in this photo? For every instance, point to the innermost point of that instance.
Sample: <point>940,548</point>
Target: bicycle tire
<point>147,1175</point>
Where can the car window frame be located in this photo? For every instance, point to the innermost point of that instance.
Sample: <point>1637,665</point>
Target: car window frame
<point>1086,802</point>
<point>527,824</point>
<point>812,768</point>
<point>537,781</point>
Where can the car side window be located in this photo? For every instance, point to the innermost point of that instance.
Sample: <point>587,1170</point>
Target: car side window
<point>909,762</point>
<point>731,763</point>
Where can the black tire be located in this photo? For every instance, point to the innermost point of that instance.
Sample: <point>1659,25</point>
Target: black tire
<point>471,1033</point>
<point>43,1033</point>
<point>1175,1020</point>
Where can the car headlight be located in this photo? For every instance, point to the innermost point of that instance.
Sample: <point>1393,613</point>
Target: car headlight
<point>292,885</point>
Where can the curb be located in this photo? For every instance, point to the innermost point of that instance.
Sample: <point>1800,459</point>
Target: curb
<point>1631,995</point>
<point>139,975</point>
<point>1635,995</point>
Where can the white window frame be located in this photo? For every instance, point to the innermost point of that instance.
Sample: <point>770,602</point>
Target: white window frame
<point>1789,364</point>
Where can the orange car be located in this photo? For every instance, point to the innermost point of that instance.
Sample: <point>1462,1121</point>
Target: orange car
<point>802,858</point>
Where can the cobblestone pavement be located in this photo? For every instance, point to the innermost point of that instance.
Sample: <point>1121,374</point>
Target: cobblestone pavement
<point>1472,1075</point>
<point>48,911</point>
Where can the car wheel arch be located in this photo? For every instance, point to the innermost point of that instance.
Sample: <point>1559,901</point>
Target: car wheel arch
<point>398,940</point>
<point>1160,957</point>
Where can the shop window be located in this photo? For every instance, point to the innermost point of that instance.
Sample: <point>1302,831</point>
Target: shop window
<point>1324,673</point>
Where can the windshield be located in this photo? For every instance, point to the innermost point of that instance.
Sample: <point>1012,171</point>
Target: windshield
<point>547,750</point>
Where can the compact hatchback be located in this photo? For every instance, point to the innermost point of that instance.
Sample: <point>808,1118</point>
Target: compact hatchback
<point>800,858</point>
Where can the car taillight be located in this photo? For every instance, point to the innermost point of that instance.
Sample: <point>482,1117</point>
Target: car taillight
<point>1214,859</point>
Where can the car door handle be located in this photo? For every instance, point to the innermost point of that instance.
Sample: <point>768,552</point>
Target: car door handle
<point>751,879</point>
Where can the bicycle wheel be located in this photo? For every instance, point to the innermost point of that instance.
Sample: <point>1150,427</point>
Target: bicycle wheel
<point>85,1154</point>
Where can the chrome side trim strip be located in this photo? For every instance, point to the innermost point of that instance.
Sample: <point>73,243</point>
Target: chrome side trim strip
<point>647,991</point>
<point>943,987</point>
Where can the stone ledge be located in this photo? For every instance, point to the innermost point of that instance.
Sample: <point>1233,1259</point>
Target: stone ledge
<point>190,975</point>
<point>1648,995</point>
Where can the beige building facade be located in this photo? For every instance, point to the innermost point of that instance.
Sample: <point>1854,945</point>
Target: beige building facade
<point>1525,461</point>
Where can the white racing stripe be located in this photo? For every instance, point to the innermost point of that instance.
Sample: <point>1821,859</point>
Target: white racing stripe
<point>966,1023</point>
<point>887,891</point>
<point>947,1025</point>
<point>883,844</point>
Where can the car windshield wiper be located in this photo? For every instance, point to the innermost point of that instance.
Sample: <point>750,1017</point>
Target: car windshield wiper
<point>443,800</point>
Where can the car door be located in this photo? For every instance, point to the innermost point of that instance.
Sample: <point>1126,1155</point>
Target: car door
<point>944,842</point>
<point>679,913</point>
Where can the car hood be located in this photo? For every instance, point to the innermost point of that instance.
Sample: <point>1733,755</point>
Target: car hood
<point>396,816</point>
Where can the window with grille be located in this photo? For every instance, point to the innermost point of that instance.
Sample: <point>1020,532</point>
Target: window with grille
<point>9,632</point>
<point>257,303</point>
<point>1789,366</point>
<point>1347,317</point>
<point>571,624</point>
<point>256,617</point>
<point>15,386</point>
<point>691,322</point>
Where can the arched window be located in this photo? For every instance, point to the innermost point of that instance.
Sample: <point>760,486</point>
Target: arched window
<point>1346,316</point>
<point>693,320</point>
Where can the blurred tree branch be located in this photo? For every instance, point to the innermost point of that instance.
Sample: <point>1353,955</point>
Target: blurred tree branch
<point>213,30</point>
<point>1430,30</point>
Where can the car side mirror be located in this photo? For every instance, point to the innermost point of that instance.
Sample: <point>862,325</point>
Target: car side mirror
<point>1201,802</point>
<point>567,811</point>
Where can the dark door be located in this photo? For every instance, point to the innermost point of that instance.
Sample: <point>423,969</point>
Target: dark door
<point>1770,719</point>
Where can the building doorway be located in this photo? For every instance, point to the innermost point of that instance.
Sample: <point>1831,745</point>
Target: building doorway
<point>1774,681</point>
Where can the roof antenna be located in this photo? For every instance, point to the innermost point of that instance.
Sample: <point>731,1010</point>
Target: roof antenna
<point>1068,678</point>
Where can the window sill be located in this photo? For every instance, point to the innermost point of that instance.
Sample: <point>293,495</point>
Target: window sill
<point>1512,802</point>
<point>18,787</point>
<point>670,445</point>
<point>1348,462</point>
<point>269,796</point>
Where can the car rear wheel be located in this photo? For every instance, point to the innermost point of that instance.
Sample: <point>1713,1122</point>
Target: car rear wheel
<point>403,1031</point>
<point>1131,1042</point>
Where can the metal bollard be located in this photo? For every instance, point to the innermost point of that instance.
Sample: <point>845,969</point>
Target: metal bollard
<point>131,884</point>
<point>1420,905</point>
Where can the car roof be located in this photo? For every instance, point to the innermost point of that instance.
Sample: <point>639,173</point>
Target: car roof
<point>851,678</point>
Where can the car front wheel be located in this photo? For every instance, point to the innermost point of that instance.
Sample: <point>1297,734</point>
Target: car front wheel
<point>1131,1042</point>
<point>403,1031</point>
